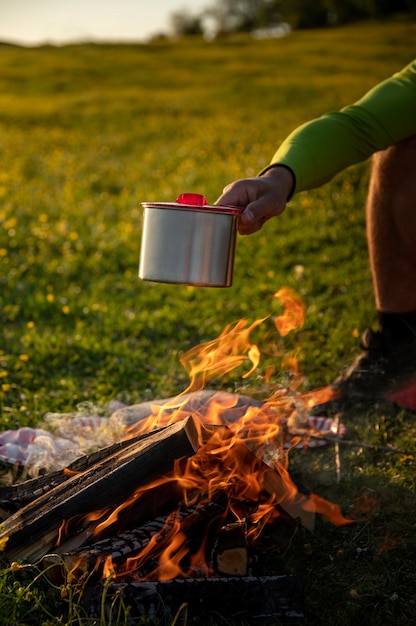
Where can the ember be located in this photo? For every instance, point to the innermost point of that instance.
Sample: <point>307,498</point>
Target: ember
<point>190,490</point>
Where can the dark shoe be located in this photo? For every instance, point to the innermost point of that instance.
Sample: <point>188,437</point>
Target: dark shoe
<point>382,372</point>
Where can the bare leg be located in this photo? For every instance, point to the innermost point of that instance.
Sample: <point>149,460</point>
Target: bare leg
<point>387,367</point>
<point>391,227</point>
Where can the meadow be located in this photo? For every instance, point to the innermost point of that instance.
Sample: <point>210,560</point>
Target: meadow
<point>87,133</point>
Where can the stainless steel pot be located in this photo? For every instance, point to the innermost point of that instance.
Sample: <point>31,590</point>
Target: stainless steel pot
<point>188,242</point>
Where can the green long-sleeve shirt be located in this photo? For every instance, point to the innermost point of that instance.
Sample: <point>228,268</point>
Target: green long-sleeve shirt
<point>319,149</point>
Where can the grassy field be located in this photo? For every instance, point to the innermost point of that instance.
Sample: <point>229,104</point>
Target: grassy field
<point>87,133</point>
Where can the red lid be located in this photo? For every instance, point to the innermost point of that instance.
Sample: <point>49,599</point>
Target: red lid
<point>192,201</point>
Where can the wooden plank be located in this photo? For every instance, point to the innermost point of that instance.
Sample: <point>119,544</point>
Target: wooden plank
<point>32,531</point>
<point>15,497</point>
<point>297,505</point>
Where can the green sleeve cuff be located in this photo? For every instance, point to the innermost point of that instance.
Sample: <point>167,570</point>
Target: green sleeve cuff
<point>272,165</point>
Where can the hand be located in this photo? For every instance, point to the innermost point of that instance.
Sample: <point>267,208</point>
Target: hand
<point>263,197</point>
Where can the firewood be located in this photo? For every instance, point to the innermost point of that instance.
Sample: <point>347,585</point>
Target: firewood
<point>130,543</point>
<point>250,598</point>
<point>230,554</point>
<point>32,531</point>
<point>155,502</point>
<point>292,502</point>
<point>277,482</point>
<point>15,497</point>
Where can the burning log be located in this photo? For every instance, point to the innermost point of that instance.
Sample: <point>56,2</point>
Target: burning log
<point>15,497</point>
<point>230,556</point>
<point>230,553</point>
<point>297,505</point>
<point>33,530</point>
<point>107,537</point>
<point>237,597</point>
<point>277,483</point>
<point>128,544</point>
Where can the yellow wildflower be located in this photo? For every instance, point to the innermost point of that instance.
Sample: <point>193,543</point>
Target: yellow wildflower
<point>10,223</point>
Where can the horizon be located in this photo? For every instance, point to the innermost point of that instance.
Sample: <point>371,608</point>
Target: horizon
<point>59,22</point>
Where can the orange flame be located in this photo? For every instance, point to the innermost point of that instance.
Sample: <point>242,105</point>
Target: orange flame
<point>229,460</point>
<point>294,311</point>
<point>108,570</point>
<point>330,510</point>
<point>220,356</point>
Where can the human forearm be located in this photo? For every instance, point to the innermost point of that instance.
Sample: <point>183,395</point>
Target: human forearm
<point>323,147</point>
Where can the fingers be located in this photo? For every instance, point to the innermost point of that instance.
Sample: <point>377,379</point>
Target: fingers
<point>245,193</point>
<point>262,197</point>
<point>256,214</point>
<point>239,193</point>
<point>249,225</point>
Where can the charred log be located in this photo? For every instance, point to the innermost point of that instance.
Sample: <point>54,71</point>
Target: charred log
<point>33,530</point>
<point>127,545</point>
<point>15,497</point>
<point>230,554</point>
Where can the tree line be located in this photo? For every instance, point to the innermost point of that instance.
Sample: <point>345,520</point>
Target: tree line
<point>234,16</point>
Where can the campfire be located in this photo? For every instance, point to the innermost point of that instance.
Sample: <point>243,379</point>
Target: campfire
<point>175,511</point>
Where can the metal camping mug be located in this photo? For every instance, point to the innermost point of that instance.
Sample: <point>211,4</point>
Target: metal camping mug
<point>188,242</point>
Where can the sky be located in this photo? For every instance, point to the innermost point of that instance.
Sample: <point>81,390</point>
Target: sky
<point>33,22</point>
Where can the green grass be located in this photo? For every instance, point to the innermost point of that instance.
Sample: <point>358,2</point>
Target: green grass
<point>88,132</point>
